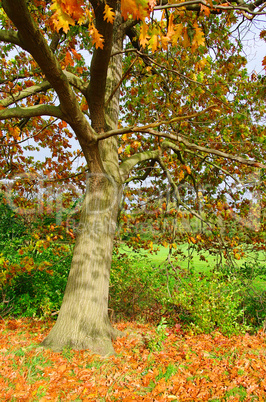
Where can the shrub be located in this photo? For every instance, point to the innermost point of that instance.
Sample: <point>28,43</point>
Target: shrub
<point>12,225</point>
<point>34,284</point>
<point>210,302</point>
<point>251,275</point>
<point>136,288</point>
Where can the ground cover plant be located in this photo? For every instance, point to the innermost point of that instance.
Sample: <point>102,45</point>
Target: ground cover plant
<point>151,364</point>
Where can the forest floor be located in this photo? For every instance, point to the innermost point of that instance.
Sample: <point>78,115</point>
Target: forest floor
<point>148,366</point>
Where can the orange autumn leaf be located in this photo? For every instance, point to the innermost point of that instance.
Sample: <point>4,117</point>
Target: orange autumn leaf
<point>190,357</point>
<point>171,27</point>
<point>199,38</point>
<point>15,132</point>
<point>109,14</point>
<point>264,62</point>
<point>186,41</point>
<point>152,4</point>
<point>143,37</point>
<point>73,8</point>
<point>187,168</point>
<point>76,54</point>
<point>68,59</point>
<point>205,10</point>
<point>97,38</point>
<point>66,13</point>
<point>135,9</point>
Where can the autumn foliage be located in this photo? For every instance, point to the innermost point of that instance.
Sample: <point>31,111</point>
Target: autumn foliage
<point>185,368</point>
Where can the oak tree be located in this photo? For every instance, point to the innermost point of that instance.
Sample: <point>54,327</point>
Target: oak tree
<point>158,86</point>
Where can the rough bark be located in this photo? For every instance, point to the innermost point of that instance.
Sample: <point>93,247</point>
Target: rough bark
<point>83,321</point>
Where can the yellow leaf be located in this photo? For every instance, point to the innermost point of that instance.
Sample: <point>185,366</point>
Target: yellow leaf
<point>186,41</point>
<point>199,38</point>
<point>177,34</point>
<point>165,41</point>
<point>170,30</point>
<point>73,8</point>
<point>153,43</point>
<point>143,37</point>
<point>15,132</point>
<point>181,174</point>
<point>60,18</point>
<point>152,4</point>
<point>109,15</point>
<point>120,150</point>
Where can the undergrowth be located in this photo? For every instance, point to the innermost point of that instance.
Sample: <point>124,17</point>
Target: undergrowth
<point>34,271</point>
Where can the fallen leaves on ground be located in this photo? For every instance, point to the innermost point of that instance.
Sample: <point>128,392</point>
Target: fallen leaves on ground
<point>185,368</point>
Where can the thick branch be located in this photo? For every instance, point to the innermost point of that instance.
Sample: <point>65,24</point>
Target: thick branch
<point>34,42</point>
<point>147,127</point>
<point>32,111</point>
<point>10,37</point>
<point>128,164</point>
<point>99,66</point>
<point>179,138</point>
<point>212,151</point>
<point>204,159</point>
<point>34,89</point>
<point>75,81</point>
<point>147,172</point>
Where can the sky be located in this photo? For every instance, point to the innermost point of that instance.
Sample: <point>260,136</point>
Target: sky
<point>254,48</point>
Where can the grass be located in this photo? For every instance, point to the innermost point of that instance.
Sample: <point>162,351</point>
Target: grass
<point>160,256</point>
<point>189,257</point>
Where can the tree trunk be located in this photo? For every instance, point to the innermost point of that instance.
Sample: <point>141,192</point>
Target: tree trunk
<point>83,321</point>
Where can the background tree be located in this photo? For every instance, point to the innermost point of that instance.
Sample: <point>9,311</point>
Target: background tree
<point>190,106</point>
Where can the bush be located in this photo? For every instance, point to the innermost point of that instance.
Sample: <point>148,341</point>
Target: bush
<point>251,275</point>
<point>34,284</point>
<point>34,271</point>
<point>211,302</point>
<point>12,225</point>
<point>136,288</point>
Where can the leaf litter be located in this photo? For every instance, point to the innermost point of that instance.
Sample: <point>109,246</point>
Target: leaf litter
<point>184,367</point>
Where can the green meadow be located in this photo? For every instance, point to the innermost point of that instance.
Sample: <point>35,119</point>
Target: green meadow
<point>186,256</point>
